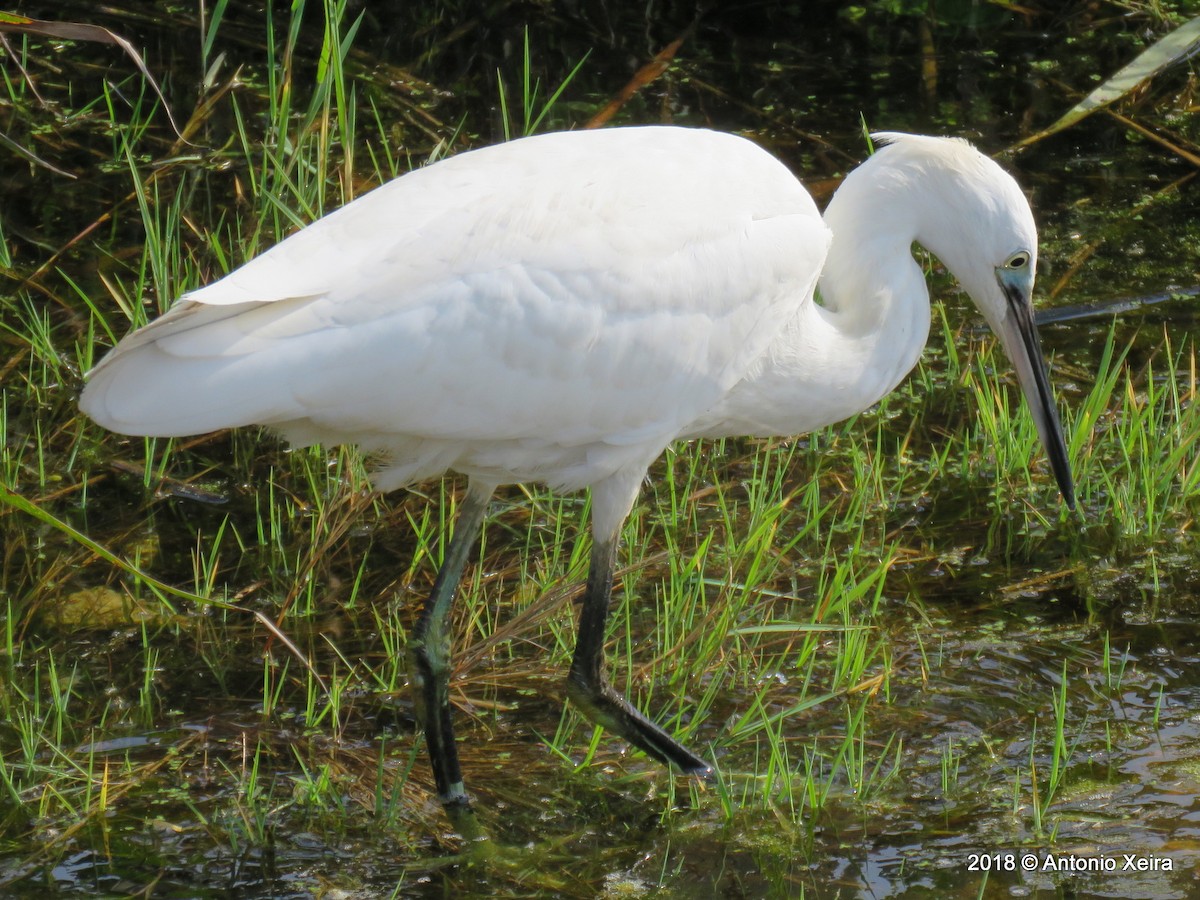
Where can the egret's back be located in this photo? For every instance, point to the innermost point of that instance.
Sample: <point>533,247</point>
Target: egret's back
<point>540,309</point>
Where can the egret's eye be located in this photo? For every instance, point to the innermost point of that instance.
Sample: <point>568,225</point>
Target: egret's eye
<point>1018,260</point>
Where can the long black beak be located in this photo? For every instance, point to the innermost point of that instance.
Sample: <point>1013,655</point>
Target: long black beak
<point>1019,335</point>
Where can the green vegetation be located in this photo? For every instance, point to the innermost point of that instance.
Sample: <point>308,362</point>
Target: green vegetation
<point>886,626</point>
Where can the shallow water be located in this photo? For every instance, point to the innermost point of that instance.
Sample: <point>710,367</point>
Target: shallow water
<point>981,633</point>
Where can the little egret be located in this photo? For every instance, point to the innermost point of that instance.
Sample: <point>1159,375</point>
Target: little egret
<point>560,309</point>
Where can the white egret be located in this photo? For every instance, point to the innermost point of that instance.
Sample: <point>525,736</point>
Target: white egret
<point>560,309</point>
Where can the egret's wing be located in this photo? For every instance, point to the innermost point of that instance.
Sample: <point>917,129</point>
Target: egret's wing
<point>572,288</point>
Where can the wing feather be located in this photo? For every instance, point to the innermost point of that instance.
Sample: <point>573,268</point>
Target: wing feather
<point>569,289</point>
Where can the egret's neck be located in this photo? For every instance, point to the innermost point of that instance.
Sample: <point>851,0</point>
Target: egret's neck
<point>873,293</point>
<point>873,317</point>
<point>870,258</point>
<point>840,356</point>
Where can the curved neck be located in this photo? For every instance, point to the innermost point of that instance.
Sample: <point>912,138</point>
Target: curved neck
<point>872,321</point>
<point>873,293</point>
<point>873,224</point>
<point>837,357</point>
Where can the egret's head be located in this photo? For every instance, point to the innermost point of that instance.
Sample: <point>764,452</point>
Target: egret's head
<point>974,217</point>
<point>968,212</point>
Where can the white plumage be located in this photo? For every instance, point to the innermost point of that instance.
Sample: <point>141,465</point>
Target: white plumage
<point>549,309</point>
<point>563,307</point>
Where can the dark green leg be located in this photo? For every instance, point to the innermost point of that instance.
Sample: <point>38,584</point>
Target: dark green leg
<point>429,659</point>
<point>588,687</point>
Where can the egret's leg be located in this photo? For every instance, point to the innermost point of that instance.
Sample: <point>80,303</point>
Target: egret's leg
<point>429,656</point>
<point>588,687</point>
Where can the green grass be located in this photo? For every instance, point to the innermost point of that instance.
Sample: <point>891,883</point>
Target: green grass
<point>788,607</point>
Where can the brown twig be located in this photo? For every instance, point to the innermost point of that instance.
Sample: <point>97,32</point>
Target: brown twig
<point>644,76</point>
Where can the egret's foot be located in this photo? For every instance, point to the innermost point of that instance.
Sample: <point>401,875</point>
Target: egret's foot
<point>531,866</point>
<point>462,816</point>
<point>600,703</point>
